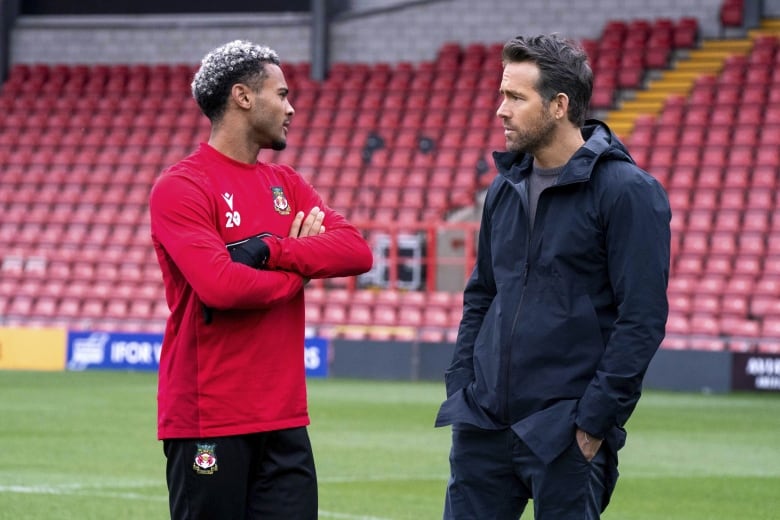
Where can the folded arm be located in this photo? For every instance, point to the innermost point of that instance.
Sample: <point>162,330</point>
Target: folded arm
<point>338,250</point>
<point>183,224</point>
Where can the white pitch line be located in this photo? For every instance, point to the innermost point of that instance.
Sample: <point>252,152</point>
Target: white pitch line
<point>345,516</point>
<point>95,490</point>
<point>380,478</point>
<point>36,490</point>
<point>125,496</point>
<point>98,490</point>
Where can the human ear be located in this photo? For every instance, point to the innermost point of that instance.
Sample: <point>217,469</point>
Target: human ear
<point>560,104</point>
<point>240,95</point>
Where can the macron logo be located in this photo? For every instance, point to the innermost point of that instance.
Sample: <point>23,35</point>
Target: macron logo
<point>229,199</point>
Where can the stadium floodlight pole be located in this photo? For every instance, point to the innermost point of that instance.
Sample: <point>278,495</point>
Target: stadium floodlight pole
<point>320,39</point>
<point>9,10</point>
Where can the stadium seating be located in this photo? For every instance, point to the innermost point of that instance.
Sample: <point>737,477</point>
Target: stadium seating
<point>389,143</point>
<point>722,183</point>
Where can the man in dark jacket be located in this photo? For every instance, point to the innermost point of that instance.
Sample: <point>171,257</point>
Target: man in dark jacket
<point>566,305</point>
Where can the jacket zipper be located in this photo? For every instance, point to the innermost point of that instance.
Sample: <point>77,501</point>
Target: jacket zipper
<point>526,269</point>
<point>508,364</point>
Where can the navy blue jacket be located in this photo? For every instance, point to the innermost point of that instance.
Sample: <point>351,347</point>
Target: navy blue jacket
<point>560,324</point>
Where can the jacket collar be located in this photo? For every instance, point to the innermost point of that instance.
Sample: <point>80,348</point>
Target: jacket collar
<point>600,143</point>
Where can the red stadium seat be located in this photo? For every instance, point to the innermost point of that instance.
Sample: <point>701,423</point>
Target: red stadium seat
<point>756,220</point>
<point>740,327</point>
<point>707,344</point>
<point>675,343</point>
<point>731,13</point>
<point>737,173</point>
<point>685,33</point>
<point>384,314</point>
<point>334,313</point>
<point>764,177</point>
<point>732,199</point>
<point>723,243</point>
<point>695,244</point>
<point>749,266</point>
<point>735,304</point>
<point>411,316</point>
<point>769,347</point>
<point>728,220</point>
<point>706,304</point>
<point>700,220</point>
<point>359,314</point>
<point>711,284</point>
<point>704,325</point>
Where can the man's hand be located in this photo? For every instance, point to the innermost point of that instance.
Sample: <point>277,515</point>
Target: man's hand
<point>310,226</point>
<point>589,445</point>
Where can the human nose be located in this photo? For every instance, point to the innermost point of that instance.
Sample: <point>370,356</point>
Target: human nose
<point>501,110</point>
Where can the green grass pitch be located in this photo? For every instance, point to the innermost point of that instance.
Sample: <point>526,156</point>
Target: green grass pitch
<point>81,446</point>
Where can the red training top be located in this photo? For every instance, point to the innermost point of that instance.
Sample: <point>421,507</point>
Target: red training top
<point>244,371</point>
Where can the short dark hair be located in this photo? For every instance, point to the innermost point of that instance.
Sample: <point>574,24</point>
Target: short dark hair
<point>238,61</point>
<point>563,67</point>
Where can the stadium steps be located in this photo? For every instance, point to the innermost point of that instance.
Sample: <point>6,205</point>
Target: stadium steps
<point>679,80</point>
<point>767,27</point>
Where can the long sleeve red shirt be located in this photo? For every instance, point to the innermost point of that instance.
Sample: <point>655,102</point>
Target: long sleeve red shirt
<point>244,371</point>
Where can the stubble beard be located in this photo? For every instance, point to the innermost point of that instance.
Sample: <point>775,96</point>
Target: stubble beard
<point>540,136</point>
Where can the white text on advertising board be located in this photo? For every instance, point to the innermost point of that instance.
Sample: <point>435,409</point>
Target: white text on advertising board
<point>136,352</point>
<point>766,371</point>
<point>311,358</point>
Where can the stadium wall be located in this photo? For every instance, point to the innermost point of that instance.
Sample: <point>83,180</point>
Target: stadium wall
<point>771,8</point>
<point>155,6</point>
<point>673,370</point>
<point>32,349</point>
<point>372,32</point>
<point>57,349</point>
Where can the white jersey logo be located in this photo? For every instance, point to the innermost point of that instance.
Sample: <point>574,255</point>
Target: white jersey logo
<point>228,198</point>
<point>233,217</point>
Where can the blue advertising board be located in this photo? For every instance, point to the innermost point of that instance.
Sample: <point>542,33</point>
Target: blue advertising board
<point>90,350</point>
<point>315,357</point>
<point>99,350</point>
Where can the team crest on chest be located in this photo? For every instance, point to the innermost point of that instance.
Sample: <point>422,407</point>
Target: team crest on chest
<point>280,201</point>
<point>205,459</point>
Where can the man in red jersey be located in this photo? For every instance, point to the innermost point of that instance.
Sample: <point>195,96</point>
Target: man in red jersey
<point>235,252</point>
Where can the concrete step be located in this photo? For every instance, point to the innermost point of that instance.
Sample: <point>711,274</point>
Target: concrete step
<point>729,46</point>
<point>668,88</point>
<point>626,116</point>
<point>680,76</point>
<point>654,95</point>
<point>768,26</point>
<point>695,65</point>
<point>622,128</point>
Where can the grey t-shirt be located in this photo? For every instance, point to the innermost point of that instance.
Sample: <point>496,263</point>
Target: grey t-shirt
<point>539,180</point>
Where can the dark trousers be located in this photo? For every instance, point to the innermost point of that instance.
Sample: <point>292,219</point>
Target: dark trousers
<point>494,475</point>
<point>267,475</point>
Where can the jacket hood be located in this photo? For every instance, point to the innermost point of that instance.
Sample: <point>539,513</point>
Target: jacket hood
<point>600,143</point>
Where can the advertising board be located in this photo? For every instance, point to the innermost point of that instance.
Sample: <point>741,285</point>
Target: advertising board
<point>98,350</point>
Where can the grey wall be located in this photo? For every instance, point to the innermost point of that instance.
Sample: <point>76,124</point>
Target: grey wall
<point>690,371</point>
<point>389,360</point>
<point>412,32</point>
<point>771,8</point>
<point>678,370</point>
